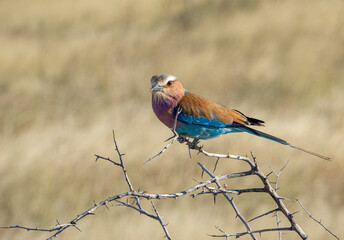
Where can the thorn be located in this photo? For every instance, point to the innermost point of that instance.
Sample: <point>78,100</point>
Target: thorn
<point>217,161</point>
<point>168,139</point>
<point>77,227</point>
<point>196,180</point>
<point>294,213</point>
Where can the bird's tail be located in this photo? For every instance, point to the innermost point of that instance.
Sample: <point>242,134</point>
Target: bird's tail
<point>279,140</point>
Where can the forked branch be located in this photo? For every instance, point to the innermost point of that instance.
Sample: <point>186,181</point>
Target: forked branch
<point>211,186</point>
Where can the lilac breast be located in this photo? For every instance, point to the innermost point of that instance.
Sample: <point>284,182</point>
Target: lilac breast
<point>163,109</point>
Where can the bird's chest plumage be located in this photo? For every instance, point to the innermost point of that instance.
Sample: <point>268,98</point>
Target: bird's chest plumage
<point>163,109</point>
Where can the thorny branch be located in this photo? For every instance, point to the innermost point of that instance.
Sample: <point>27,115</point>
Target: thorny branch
<point>237,235</point>
<point>201,188</point>
<point>174,138</point>
<point>231,202</point>
<point>316,220</point>
<point>267,189</point>
<point>276,188</point>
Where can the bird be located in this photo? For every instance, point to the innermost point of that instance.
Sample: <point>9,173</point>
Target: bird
<point>199,118</point>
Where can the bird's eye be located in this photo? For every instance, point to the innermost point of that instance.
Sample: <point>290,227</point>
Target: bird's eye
<point>169,83</point>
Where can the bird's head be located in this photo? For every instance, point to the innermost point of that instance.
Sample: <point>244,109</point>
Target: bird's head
<point>167,87</point>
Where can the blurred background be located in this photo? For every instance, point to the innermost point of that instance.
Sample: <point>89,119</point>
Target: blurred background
<point>72,71</point>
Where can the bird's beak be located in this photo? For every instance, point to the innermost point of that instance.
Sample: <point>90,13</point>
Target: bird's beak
<point>156,88</point>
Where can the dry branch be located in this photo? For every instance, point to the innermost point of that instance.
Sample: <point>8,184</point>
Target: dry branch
<point>255,170</point>
<point>316,220</point>
<point>201,188</point>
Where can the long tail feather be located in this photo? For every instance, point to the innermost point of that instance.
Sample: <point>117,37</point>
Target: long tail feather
<point>262,134</point>
<point>279,140</point>
<point>313,153</point>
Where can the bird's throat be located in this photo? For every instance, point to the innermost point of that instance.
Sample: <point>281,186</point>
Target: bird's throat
<point>163,108</point>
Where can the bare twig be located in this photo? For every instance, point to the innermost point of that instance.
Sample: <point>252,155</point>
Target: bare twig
<point>280,204</point>
<point>73,223</point>
<point>231,202</point>
<point>137,195</point>
<point>61,227</point>
<point>124,169</point>
<point>161,222</point>
<point>268,189</point>
<point>140,210</point>
<point>217,161</point>
<point>107,159</point>
<point>216,191</point>
<point>264,214</point>
<point>34,228</point>
<point>316,220</point>
<point>217,155</point>
<point>176,119</point>
<point>121,164</point>
<point>276,188</point>
<point>237,235</point>
<point>201,188</point>
<point>174,137</point>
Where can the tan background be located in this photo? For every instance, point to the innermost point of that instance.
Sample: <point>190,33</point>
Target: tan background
<point>71,71</point>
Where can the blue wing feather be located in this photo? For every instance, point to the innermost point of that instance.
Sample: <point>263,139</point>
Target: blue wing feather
<point>198,121</point>
<point>203,121</point>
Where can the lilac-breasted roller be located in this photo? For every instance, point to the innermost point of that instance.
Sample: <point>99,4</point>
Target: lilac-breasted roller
<point>198,117</point>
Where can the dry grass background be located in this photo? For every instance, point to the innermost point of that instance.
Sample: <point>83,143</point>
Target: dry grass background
<point>71,71</point>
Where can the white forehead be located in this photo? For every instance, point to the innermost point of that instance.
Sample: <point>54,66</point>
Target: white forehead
<point>169,78</point>
<point>163,79</point>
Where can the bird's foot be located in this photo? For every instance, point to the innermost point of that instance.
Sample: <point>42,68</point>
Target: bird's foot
<point>194,144</point>
<point>182,139</point>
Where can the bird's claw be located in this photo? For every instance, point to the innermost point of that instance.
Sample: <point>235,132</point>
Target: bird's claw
<point>193,144</point>
<point>182,139</point>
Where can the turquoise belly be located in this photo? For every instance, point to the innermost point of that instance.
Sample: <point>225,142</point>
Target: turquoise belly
<point>202,132</point>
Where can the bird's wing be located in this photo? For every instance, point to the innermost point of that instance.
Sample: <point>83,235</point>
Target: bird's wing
<point>199,110</point>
